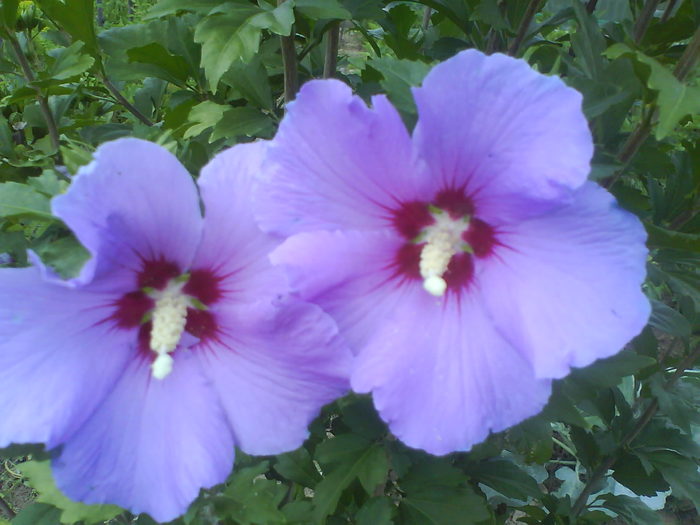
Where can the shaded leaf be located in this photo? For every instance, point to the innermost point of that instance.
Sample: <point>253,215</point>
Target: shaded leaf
<point>40,478</point>
<point>505,477</point>
<point>631,509</point>
<point>22,200</point>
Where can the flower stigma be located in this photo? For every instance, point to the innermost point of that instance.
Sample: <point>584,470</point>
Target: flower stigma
<point>169,318</point>
<point>443,239</point>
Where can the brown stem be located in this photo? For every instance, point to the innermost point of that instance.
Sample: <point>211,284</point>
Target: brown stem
<point>289,60</point>
<point>669,9</point>
<point>689,57</point>
<point>631,146</point>
<point>124,102</point>
<point>5,507</point>
<point>591,5</point>
<point>530,13</point>
<point>642,422</point>
<point>640,28</point>
<point>331,58</point>
<point>426,18</point>
<point>43,102</point>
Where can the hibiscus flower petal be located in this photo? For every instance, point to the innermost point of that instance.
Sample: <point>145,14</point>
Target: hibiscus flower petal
<point>444,384</point>
<point>514,137</point>
<point>134,202</point>
<point>345,272</point>
<point>233,247</point>
<point>336,163</point>
<point>151,445</point>
<point>566,286</point>
<point>58,356</point>
<point>436,369</point>
<point>274,368</point>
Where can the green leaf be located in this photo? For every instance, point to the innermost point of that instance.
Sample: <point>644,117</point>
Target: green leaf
<point>436,495</point>
<point>171,7</point>
<point>685,283</point>
<point>239,121</point>
<point>399,76</point>
<point>352,457</point>
<point>317,9</point>
<point>48,183</point>
<point>21,200</point>
<point>675,98</point>
<point>40,478</point>
<point>608,372</point>
<point>68,62</point>
<point>204,116</point>
<point>662,238</point>
<point>160,63</point>
<point>38,514</point>
<point>77,17</point>
<point>298,467</point>
<point>669,320</point>
<point>631,509</point>
<point>533,439</point>
<point>505,477</point>
<point>251,81</point>
<point>630,472</point>
<point>372,470</point>
<point>360,415</point>
<point>251,499</point>
<point>234,32</point>
<point>66,256</point>
<point>588,42</point>
<point>658,437</point>
<point>489,12</point>
<point>298,512</point>
<point>375,511</point>
<point>8,12</point>
<point>680,472</point>
<point>680,402</point>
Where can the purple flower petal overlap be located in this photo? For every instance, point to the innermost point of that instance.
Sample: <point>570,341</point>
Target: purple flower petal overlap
<point>448,265</point>
<point>120,370</point>
<point>343,187</point>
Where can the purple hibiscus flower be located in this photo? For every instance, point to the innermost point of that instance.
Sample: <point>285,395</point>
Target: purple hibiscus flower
<point>467,265</point>
<point>176,342</point>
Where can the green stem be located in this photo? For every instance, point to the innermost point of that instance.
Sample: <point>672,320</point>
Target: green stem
<point>564,446</point>
<point>530,13</point>
<point>43,102</point>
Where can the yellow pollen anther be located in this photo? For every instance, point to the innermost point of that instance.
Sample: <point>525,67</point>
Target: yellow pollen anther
<point>443,240</point>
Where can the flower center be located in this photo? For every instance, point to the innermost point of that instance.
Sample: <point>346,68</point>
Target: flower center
<point>169,317</point>
<point>169,309</point>
<point>443,239</point>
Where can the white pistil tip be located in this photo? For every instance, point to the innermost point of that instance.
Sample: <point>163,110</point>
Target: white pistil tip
<point>162,366</point>
<point>435,285</point>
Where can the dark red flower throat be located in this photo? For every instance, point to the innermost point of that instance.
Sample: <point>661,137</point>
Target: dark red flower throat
<point>133,309</point>
<point>449,216</point>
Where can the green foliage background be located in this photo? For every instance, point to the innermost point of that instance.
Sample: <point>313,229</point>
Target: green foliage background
<point>200,75</point>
